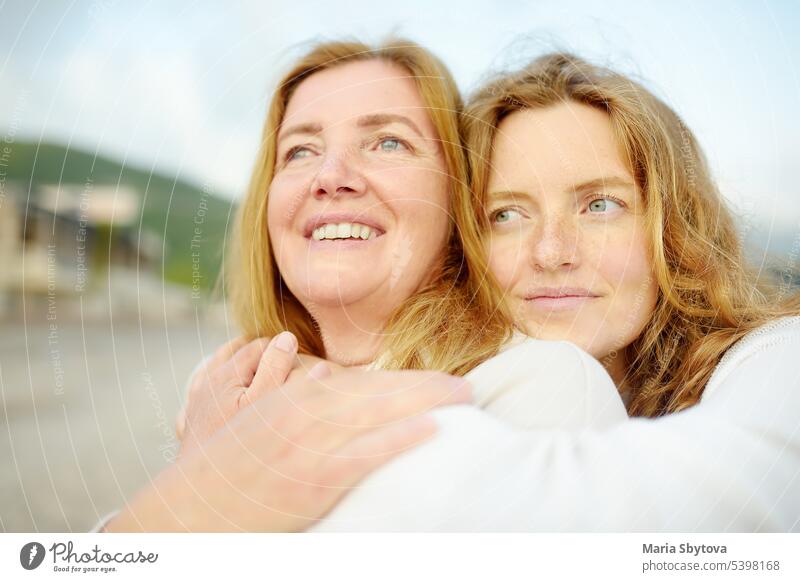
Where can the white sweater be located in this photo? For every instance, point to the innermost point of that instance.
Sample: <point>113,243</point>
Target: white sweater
<point>730,463</point>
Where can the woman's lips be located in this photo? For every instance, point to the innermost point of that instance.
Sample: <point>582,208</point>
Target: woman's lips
<point>340,218</point>
<point>342,236</point>
<point>341,244</point>
<point>559,299</point>
<point>565,303</point>
<point>342,232</point>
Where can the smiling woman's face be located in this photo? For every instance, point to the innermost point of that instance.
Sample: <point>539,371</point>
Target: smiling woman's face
<point>358,206</point>
<point>567,239</point>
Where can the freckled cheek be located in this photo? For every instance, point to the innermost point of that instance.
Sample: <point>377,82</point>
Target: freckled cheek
<point>625,266</point>
<point>504,262</point>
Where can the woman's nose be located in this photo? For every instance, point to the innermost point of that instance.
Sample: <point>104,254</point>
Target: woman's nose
<point>337,175</point>
<point>554,245</point>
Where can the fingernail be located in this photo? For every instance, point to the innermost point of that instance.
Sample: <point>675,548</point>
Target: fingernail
<point>286,342</point>
<point>180,424</point>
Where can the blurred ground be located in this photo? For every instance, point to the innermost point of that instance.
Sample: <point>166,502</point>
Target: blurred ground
<point>88,413</point>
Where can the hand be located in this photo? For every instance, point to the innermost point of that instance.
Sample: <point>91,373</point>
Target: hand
<point>286,461</point>
<point>237,375</point>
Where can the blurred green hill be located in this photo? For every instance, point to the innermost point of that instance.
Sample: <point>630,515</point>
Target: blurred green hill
<point>170,208</point>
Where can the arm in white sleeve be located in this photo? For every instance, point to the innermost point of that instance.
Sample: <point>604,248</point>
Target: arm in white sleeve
<point>533,384</point>
<point>730,463</point>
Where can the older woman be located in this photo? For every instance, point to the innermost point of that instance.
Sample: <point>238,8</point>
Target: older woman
<point>345,239</point>
<point>346,219</point>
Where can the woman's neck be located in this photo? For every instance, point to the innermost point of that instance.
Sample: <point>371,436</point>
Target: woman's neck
<point>615,364</point>
<point>617,368</point>
<point>350,339</point>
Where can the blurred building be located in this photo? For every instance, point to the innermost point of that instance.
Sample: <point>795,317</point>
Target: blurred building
<point>62,238</point>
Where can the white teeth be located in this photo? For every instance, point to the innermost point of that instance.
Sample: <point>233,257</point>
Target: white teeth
<point>343,230</point>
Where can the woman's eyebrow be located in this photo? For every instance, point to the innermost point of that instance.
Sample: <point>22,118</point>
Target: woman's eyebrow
<point>507,195</point>
<point>302,128</point>
<point>381,119</point>
<point>604,182</point>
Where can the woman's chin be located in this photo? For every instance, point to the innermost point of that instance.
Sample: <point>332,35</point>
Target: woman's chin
<point>335,293</point>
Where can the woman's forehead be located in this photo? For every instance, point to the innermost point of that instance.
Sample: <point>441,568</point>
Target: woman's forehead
<point>564,143</point>
<point>345,93</point>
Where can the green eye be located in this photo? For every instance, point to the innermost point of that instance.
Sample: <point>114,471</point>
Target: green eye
<point>506,215</point>
<point>603,205</point>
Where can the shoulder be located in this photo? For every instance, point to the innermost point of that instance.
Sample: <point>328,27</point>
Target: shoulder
<point>766,346</point>
<point>536,383</point>
<point>522,359</point>
<point>524,348</point>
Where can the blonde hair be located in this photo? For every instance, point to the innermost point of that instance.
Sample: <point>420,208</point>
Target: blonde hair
<point>450,324</point>
<point>708,299</point>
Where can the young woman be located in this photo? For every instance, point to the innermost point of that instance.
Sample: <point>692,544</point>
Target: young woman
<point>603,227</point>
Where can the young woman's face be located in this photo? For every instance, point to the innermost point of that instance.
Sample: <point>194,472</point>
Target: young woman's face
<point>358,207</point>
<point>567,238</point>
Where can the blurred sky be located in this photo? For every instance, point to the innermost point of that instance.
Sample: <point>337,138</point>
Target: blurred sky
<point>182,87</point>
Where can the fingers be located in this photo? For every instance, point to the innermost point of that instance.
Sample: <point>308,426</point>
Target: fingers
<point>243,365</point>
<point>225,352</point>
<point>380,411</point>
<point>274,366</point>
<point>411,390</point>
<point>202,374</point>
<point>325,424</point>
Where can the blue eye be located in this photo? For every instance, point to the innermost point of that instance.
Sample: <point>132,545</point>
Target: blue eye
<point>298,153</point>
<point>390,144</point>
<point>600,205</point>
<point>505,215</point>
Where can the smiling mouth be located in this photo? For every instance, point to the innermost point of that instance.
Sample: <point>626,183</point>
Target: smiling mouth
<point>344,231</point>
